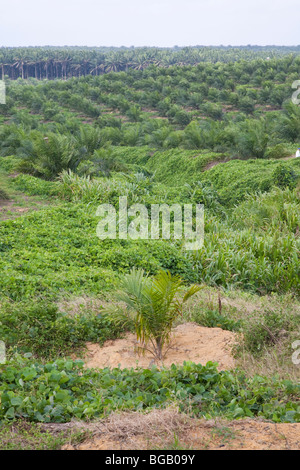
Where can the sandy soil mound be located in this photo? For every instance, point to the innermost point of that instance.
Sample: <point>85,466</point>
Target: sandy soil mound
<point>190,342</point>
<point>156,430</point>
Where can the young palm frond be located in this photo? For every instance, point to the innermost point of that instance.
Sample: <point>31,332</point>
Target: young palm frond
<point>152,306</point>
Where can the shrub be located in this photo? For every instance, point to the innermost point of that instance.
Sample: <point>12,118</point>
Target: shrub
<point>213,319</point>
<point>35,186</point>
<point>267,329</point>
<point>3,194</point>
<point>45,332</point>
<point>284,177</point>
<point>278,151</point>
<point>9,163</point>
<point>182,118</point>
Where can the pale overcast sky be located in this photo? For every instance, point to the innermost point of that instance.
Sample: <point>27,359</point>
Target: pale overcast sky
<point>149,22</point>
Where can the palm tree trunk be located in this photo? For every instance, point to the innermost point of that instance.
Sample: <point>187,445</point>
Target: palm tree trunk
<point>159,346</point>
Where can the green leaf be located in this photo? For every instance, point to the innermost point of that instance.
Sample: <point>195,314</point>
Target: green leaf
<point>16,401</point>
<point>10,412</point>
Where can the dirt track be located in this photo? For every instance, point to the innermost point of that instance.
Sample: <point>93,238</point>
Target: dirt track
<point>163,429</point>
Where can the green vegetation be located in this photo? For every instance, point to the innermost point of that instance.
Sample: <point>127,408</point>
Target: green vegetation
<point>65,62</point>
<point>152,307</point>
<point>213,126</point>
<point>41,330</point>
<point>213,318</point>
<point>24,435</point>
<point>61,390</point>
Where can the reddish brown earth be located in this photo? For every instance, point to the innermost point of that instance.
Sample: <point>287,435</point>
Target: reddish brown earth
<point>169,429</point>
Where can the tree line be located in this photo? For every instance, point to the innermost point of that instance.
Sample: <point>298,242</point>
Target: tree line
<point>65,62</point>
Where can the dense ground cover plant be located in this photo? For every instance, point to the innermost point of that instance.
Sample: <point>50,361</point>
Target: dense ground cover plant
<point>40,329</point>
<point>231,255</point>
<point>217,130</point>
<point>61,390</point>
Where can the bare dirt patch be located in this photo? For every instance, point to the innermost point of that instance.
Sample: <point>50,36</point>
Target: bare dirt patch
<point>190,342</point>
<point>9,209</point>
<point>214,163</point>
<point>288,157</point>
<point>169,429</point>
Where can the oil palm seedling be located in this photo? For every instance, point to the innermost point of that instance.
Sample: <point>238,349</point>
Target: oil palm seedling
<point>151,306</point>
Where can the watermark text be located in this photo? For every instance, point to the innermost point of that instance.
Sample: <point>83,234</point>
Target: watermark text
<point>178,222</point>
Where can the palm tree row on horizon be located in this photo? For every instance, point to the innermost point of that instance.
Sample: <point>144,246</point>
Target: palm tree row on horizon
<point>63,63</point>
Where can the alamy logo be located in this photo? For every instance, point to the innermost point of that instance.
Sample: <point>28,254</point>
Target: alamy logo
<point>2,352</point>
<point>167,222</point>
<point>295,99</point>
<point>2,92</point>
<point>296,354</point>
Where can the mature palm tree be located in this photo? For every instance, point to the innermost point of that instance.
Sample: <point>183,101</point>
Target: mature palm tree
<point>111,65</point>
<point>95,69</point>
<point>56,64</point>
<point>64,65</point>
<point>139,62</point>
<point>20,64</point>
<point>3,69</point>
<point>86,65</point>
<point>76,70</point>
